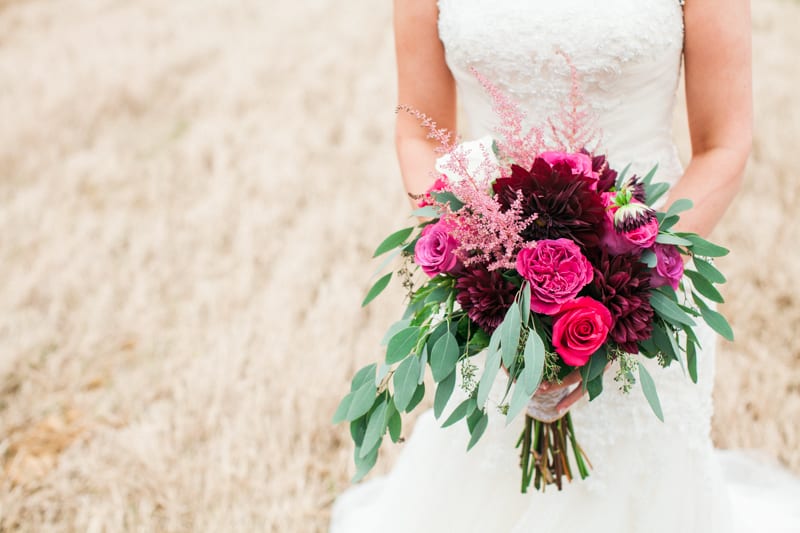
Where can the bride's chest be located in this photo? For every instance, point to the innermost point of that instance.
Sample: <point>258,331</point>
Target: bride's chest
<point>530,37</point>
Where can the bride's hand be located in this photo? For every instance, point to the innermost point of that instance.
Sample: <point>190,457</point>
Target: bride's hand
<point>571,379</point>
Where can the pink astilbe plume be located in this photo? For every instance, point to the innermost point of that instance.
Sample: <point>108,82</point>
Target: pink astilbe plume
<point>487,234</point>
<point>515,145</point>
<point>442,135</point>
<point>574,130</point>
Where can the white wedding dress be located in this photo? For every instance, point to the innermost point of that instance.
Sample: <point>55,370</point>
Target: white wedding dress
<point>648,476</point>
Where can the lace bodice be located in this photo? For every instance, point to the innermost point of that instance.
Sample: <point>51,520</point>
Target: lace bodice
<point>627,53</point>
<point>628,57</point>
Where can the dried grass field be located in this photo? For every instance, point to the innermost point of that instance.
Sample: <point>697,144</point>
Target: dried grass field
<point>190,192</point>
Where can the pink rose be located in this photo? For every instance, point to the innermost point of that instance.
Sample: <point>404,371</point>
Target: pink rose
<point>669,268</point>
<point>581,164</point>
<point>438,185</point>
<point>556,270</point>
<point>622,242</point>
<point>434,249</point>
<point>580,329</point>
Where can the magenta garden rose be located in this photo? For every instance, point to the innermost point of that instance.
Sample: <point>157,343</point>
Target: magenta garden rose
<point>580,163</point>
<point>434,249</point>
<point>669,266</point>
<point>580,329</point>
<point>556,270</point>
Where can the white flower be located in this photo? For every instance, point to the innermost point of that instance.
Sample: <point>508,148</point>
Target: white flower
<point>482,164</point>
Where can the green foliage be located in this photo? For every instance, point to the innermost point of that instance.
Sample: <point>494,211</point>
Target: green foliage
<point>462,410</point>
<point>376,289</point>
<point>444,356</point>
<point>401,344</point>
<point>649,389</point>
<point>395,240</point>
<point>702,247</point>
<point>709,271</point>
<point>444,390</point>
<point>703,286</point>
<point>477,429</point>
<point>509,337</point>
<point>428,211</point>
<point>669,310</point>
<point>715,320</point>
<point>376,427</point>
<point>448,198</point>
<point>406,381</point>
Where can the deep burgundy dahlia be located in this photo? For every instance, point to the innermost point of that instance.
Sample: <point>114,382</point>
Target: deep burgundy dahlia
<point>485,296</point>
<point>622,284</point>
<point>608,176</point>
<point>565,205</point>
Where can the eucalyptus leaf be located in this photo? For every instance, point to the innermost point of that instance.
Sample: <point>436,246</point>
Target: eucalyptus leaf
<point>419,394</point>
<point>363,375</point>
<point>533,354</point>
<point>490,370</point>
<point>428,211</point>
<point>525,302</point>
<point>669,310</point>
<point>394,329</point>
<point>649,389</point>
<point>691,360</point>
<point>393,241</point>
<point>444,390</point>
<point>423,363</point>
<point>679,206</point>
<point>358,428</point>
<point>444,357</point>
<point>704,287</point>
<point>595,387</point>
<point>666,223</point>
<point>648,178</point>
<point>376,289</point>
<point>376,427</point>
<point>649,258</point>
<point>655,191</point>
<point>622,175</point>
<point>708,270</point>
<point>341,411</point>
<point>395,426</point>
<point>661,338</point>
<point>463,409</point>
<point>383,371</point>
<point>405,381</point>
<point>401,344</point>
<point>364,464</point>
<point>478,430</point>
<point>704,248</point>
<point>671,238</point>
<point>715,320</point>
<point>595,366</point>
<point>448,197</point>
<point>509,340</point>
<point>519,399</point>
<point>362,401</point>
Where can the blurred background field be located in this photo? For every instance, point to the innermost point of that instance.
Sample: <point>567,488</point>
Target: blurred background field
<point>190,192</point>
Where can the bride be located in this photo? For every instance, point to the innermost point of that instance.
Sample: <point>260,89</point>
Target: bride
<point>648,476</point>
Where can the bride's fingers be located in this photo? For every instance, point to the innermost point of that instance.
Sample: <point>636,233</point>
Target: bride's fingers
<point>571,398</point>
<point>572,378</point>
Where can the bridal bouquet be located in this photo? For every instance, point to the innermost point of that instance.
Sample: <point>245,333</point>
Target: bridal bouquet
<point>546,258</point>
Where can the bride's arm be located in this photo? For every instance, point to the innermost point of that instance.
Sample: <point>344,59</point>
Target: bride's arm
<point>424,82</point>
<point>719,106</point>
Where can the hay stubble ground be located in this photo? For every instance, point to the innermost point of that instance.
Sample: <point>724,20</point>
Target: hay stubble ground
<point>189,195</point>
